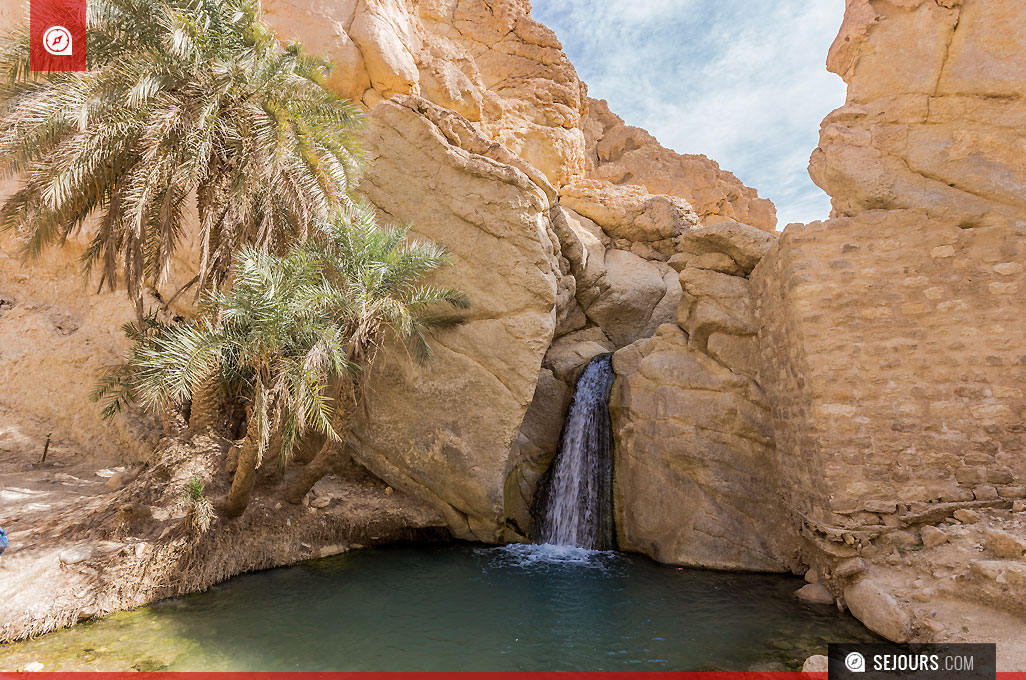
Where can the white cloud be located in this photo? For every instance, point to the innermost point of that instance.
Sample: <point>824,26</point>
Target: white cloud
<point>741,82</point>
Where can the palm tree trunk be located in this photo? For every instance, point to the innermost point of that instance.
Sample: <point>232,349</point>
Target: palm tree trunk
<point>245,474</point>
<point>172,420</point>
<point>207,413</point>
<point>331,451</point>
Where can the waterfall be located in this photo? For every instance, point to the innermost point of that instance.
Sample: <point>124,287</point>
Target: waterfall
<point>576,497</point>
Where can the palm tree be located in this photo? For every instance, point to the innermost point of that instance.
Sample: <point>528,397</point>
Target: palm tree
<point>119,385</point>
<point>299,330</point>
<point>183,100</point>
<point>271,331</point>
<point>372,286</point>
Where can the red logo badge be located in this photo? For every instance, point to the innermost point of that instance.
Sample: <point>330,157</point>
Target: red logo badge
<point>58,30</point>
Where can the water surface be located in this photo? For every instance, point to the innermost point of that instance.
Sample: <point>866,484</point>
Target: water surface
<point>461,608</point>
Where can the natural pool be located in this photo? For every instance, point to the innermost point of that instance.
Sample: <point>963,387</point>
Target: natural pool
<point>461,608</point>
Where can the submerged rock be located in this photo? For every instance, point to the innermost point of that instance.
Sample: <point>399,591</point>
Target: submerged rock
<point>816,593</point>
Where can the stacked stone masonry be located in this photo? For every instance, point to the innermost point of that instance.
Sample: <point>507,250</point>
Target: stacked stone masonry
<point>894,354</point>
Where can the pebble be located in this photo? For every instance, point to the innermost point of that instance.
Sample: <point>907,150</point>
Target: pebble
<point>850,567</point>
<point>816,664</point>
<point>75,555</point>
<point>967,516</point>
<point>932,537</point>
<point>33,667</point>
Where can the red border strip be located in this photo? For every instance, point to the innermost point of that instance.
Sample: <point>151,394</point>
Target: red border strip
<point>90,675</point>
<point>127,675</point>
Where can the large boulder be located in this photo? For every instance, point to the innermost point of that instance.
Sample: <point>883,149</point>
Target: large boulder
<point>744,244</point>
<point>575,350</point>
<point>873,605</point>
<point>695,479</point>
<point>631,214</point>
<point>444,431</point>
<point>714,302</point>
<point>934,116</point>
<point>630,292</point>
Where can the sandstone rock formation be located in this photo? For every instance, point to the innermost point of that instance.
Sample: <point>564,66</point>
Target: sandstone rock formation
<point>488,61</point>
<point>56,338</point>
<point>502,88</point>
<point>847,400</point>
<point>478,136</point>
<point>934,122</point>
<point>506,73</point>
<point>626,258</point>
<point>444,430</point>
<point>623,154</point>
<point>694,458</point>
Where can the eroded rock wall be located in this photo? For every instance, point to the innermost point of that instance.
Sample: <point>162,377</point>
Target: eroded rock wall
<point>934,116</point>
<point>480,135</point>
<point>57,336</point>
<point>488,61</point>
<point>624,154</point>
<point>444,430</point>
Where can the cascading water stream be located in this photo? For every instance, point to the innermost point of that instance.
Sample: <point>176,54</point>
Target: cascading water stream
<point>576,498</point>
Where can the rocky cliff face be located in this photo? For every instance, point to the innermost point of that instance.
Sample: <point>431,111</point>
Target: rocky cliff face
<point>624,154</point>
<point>933,121</point>
<point>490,62</point>
<point>57,335</point>
<point>444,430</point>
<point>564,224</point>
<point>892,335</point>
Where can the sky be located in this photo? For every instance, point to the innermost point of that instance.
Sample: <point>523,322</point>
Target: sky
<point>740,81</point>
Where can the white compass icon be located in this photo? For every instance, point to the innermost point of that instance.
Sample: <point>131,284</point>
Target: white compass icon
<point>57,41</point>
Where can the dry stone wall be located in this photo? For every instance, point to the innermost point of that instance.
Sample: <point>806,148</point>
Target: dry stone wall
<point>894,353</point>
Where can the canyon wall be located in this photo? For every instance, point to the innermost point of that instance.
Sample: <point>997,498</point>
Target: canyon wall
<point>843,401</point>
<point>57,336</point>
<point>893,336</point>
<point>934,117</point>
<point>569,231</point>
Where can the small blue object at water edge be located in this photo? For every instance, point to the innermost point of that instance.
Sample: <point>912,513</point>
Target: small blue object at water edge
<point>3,541</point>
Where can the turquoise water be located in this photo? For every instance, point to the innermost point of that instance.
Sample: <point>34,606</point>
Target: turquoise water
<point>461,608</point>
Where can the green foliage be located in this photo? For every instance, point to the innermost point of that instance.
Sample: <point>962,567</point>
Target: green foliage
<point>291,324</point>
<point>117,387</point>
<point>194,492</point>
<point>267,330</point>
<point>374,278</point>
<point>182,98</point>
